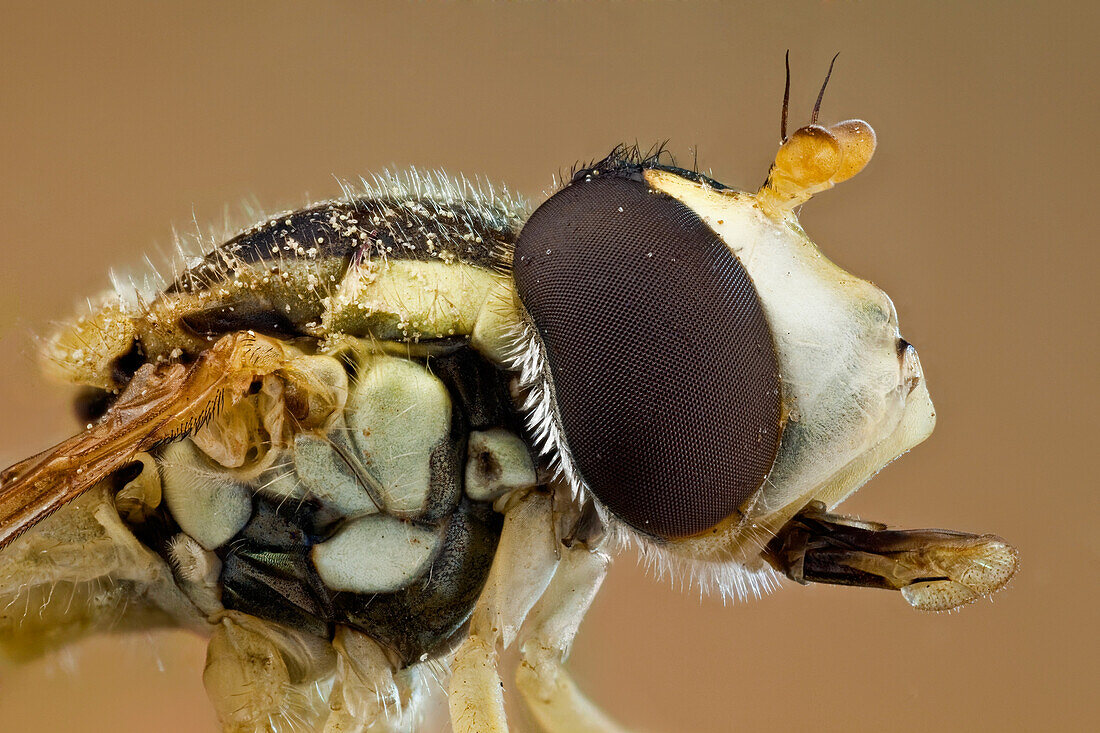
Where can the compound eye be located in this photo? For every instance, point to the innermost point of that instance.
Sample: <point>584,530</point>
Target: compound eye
<point>663,367</point>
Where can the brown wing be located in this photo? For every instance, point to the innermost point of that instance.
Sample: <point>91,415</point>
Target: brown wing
<point>161,404</point>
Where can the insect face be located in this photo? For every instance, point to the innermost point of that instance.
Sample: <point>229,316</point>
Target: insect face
<point>853,399</point>
<point>707,363</point>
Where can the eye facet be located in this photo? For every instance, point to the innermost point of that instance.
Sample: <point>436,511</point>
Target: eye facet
<point>663,367</point>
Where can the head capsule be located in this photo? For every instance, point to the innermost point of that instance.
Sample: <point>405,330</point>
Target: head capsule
<point>696,365</point>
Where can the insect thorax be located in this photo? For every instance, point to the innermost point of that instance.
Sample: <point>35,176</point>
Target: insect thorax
<point>355,486</point>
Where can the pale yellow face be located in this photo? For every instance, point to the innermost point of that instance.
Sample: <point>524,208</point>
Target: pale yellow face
<point>853,391</point>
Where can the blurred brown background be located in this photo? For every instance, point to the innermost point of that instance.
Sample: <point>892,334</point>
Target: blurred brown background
<point>121,122</point>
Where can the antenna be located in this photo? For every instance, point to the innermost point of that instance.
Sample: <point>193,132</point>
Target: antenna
<point>817,104</point>
<point>786,97</point>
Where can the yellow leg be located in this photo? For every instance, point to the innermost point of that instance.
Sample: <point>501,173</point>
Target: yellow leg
<point>262,676</point>
<point>524,563</point>
<point>551,694</point>
<point>369,693</point>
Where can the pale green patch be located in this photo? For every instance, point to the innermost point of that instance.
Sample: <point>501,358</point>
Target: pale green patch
<point>207,505</point>
<point>375,554</point>
<point>397,414</point>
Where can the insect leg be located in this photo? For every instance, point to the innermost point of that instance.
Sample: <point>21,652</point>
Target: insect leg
<point>261,676</point>
<point>549,691</point>
<point>368,693</point>
<point>524,563</point>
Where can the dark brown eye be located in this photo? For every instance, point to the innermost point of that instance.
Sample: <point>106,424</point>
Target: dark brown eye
<point>663,366</point>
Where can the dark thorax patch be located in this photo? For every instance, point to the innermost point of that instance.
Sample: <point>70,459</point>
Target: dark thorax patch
<point>474,232</point>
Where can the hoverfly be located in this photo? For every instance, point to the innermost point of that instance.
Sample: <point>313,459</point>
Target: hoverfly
<point>376,440</point>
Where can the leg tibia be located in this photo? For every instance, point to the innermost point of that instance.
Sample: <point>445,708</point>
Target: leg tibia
<point>550,693</point>
<point>524,562</point>
<point>262,677</point>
